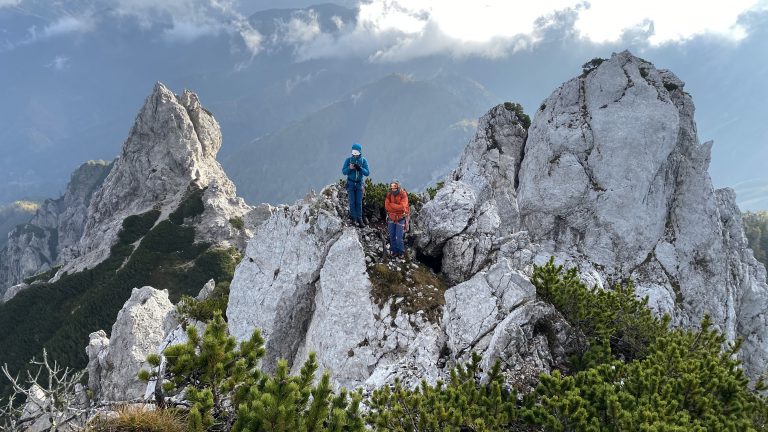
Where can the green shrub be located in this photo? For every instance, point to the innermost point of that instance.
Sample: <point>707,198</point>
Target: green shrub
<point>43,276</point>
<point>227,390</point>
<point>634,373</point>
<point>168,237</point>
<point>237,222</point>
<point>519,112</point>
<point>608,322</point>
<point>686,383</point>
<point>192,205</point>
<point>204,310</point>
<point>219,262</point>
<point>591,65</point>
<point>137,226</point>
<point>756,229</point>
<point>284,403</point>
<point>373,200</point>
<point>463,404</point>
<point>140,419</point>
<point>432,191</point>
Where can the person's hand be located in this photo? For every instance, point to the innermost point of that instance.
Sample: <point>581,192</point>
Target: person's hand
<point>351,166</point>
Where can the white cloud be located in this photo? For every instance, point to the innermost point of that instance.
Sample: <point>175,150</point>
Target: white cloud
<point>6,3</point>
<point>393,30</point>
<point>69,24</point>
<point>59,62</point>
<point>192,19</point>
<point>303,27</point>
<point>670,21</point>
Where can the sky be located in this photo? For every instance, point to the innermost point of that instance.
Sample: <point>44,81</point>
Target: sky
<point>720,51</point>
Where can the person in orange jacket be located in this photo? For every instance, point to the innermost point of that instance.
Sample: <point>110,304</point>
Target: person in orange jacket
<point>396,206</point>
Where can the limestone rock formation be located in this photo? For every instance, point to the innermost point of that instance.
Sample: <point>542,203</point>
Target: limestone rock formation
<point>614,180</point>
<point>478,205</point>
<point>57,226</point>
<point>171,147</point>
<point>114,362</point>
<point>614,174</point>
<point>306,283</point>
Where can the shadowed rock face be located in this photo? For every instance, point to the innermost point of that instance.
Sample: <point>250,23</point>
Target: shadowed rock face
<point>57,226</point>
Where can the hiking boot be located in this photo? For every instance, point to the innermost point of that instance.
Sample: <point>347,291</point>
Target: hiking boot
<point>360,223</point>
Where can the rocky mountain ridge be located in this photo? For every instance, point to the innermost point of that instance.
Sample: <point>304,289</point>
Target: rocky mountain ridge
<point>609,177</point>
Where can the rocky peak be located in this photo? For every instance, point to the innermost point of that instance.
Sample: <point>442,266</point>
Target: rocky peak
<point>170,150</point>
<point>480,197</point>
<point>603,152</point>
<point>614,180</point>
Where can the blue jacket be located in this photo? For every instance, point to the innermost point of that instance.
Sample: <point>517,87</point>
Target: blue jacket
<point>354,175</point>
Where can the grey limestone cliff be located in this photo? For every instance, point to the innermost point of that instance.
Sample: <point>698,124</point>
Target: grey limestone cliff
<point>57,226</point>
<point>171,147</point>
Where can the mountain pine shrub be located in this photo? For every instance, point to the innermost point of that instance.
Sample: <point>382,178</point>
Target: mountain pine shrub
<point>636,374</point>
<point>591,65</point>
<point>432,190</point>
<point>227,390</point>
<point>519,112</point>
<point>464,403</point>
<point>237,222</point>
<point>687,382</point>
<point>204,310</point>
<point>611,323</point>
<point>190,206</point>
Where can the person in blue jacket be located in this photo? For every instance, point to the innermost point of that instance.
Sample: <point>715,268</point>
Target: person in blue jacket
<point>355,168</point>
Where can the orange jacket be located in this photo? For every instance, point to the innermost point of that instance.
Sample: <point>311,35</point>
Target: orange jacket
<point>396,205</point>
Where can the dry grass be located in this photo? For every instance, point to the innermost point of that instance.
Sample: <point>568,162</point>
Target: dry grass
<point>135,418</point>
<point>419,288</point>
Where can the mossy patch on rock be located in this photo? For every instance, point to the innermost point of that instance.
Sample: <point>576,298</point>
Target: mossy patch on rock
<point>411,287</point>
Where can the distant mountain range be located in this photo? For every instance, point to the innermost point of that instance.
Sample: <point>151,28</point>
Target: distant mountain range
<point>410,129</point>
<point>68,97</point>
<point>265,104</point>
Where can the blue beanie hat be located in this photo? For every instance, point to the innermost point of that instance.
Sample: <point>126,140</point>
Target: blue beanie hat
<point>357,147</point>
